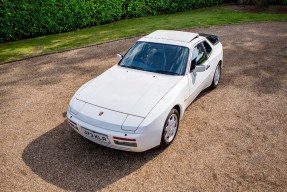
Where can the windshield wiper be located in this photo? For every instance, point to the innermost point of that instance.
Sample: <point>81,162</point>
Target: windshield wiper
<point>165,72</point>
<point>154,71</point>
<point>133,67</point>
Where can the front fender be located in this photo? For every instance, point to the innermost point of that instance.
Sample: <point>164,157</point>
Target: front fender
<point>154,122</point>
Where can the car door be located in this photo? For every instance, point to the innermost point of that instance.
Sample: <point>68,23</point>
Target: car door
<point>197,80</point>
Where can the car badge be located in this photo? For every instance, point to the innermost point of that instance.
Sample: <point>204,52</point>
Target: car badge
<point>101,113</point>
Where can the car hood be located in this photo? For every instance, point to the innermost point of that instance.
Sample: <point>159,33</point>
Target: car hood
<point>129,91</point>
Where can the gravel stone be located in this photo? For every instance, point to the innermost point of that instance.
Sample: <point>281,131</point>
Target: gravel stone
<point>233,138</point>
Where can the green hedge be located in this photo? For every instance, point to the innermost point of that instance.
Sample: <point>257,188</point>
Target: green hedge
<point>29,18</point>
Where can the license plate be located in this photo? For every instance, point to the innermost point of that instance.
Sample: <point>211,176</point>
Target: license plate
<point>97,136</point>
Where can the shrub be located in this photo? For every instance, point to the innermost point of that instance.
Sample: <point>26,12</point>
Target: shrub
<point>29,18</point>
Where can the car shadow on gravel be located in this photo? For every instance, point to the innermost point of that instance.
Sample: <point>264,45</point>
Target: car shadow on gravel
<point>66,159</point>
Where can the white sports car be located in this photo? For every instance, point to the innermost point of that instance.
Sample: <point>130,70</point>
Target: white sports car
<point>136,104</point>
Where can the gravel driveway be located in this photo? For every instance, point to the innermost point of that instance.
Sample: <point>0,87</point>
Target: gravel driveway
<point>231,139</point>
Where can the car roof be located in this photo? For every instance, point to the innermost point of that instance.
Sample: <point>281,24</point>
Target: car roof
<point>171,37</point>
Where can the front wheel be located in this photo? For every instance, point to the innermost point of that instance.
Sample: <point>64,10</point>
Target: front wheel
<point>170,128</point>
<point>216,77</point>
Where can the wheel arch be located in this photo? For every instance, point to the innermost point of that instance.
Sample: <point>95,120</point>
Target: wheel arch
<point>179,108</point>
<point>220,63</point>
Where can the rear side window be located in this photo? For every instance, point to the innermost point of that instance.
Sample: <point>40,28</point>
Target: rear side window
<point>198,56</point>
<point>212,38</point>
<point>207,47</point>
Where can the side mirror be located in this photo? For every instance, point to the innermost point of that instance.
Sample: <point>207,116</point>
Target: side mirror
<point>120,57</point>
<point>199,68</point>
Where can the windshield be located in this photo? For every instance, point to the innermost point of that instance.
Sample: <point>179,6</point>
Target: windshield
<point>155,57</point>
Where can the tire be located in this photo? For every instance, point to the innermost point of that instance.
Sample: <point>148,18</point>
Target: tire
<point>216,77</point>
<point>170,128</point>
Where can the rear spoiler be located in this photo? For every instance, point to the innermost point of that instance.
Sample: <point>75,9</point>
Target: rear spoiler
<point>212,38</point>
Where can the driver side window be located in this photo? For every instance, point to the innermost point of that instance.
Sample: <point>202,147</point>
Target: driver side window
<point>198,56</point>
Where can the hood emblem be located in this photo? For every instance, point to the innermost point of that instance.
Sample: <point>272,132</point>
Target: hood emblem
<point>101,113</point>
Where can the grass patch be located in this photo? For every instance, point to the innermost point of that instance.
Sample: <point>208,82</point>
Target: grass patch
<point>128,28</point>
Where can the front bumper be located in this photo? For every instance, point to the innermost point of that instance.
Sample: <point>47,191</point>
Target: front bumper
<point>134,142</point>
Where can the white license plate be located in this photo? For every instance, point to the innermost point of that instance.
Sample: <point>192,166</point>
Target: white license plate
<point>97,136</point>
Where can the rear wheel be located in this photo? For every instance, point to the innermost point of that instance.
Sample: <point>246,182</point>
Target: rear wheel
<point>216,77</point>
<point>170,128</point>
